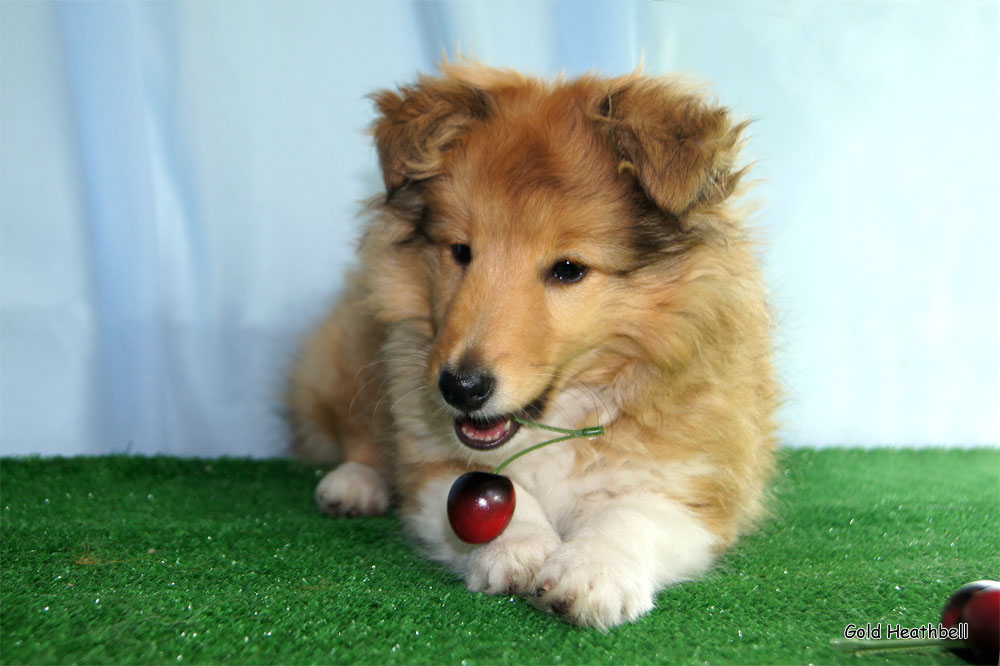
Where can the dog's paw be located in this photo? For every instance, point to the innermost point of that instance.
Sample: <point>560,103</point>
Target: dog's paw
<point>509,563</point>
<point>353,489</point>
<point>593,585</point>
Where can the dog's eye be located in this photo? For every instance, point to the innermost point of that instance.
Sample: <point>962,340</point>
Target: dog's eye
<point>461,253</point>
<point>568,271</point>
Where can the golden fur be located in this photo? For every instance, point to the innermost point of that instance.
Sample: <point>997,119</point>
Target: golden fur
<point>666,338</point>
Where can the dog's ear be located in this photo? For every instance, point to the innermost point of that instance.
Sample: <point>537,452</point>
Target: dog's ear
<point>418,124</point>
<point>680,150</point>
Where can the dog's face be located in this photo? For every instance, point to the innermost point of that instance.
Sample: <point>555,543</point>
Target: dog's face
<point>529,217</point>
<point>524,228</point>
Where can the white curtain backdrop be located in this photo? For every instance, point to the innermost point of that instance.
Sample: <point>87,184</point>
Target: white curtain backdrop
<point>179,184</point>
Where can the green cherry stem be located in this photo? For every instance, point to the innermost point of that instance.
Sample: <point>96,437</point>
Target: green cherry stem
<point>863,644</point>
<point>592,431</point>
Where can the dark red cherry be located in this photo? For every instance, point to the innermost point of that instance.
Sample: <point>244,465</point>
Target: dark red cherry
<point>977,604</point>
<point>952,611</point>
<point>480,505</point>
<point>982,612</point>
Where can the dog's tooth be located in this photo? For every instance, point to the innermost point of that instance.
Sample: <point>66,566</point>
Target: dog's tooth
<point>473,433</point>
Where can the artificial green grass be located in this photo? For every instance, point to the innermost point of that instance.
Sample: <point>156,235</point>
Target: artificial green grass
<point>163,560</point>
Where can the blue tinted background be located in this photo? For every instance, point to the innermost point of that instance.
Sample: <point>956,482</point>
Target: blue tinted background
<point>179,184</point>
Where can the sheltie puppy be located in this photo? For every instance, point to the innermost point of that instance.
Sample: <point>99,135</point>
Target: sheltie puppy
<point>571,252</point>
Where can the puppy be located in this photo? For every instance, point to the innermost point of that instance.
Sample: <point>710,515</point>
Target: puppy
<point>571,252</point>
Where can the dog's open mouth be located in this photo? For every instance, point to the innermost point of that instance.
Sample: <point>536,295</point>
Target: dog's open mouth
<point>482,434</point>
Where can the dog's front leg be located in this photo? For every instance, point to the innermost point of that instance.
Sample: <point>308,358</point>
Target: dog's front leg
<point>507,565</point>
<point>619,552</point>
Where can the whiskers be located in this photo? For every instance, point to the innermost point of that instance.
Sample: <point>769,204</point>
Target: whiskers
<point>397,361</point>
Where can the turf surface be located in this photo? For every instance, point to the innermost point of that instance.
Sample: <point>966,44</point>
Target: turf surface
<point>162,560</point>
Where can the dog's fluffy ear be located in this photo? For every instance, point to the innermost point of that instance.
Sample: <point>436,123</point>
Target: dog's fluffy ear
<point>418,124</point>
<point>680,150</point>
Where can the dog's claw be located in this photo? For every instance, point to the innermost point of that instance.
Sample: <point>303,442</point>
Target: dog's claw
<point>560,607</point>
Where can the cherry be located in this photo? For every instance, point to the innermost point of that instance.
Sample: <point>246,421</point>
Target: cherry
<point>978,605</point>
<point>952,611</point>
<point>480,505</point>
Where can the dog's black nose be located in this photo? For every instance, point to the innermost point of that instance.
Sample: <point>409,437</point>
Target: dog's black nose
<point>465,390</point>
